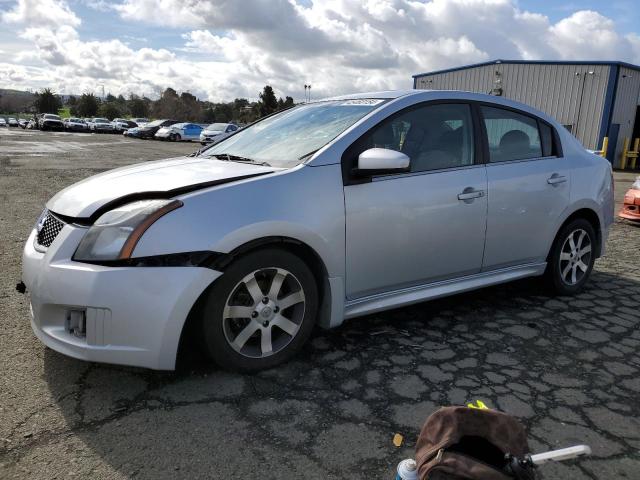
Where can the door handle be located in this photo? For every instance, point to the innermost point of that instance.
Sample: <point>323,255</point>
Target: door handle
<point>556,179</point>
<point>470,194</point>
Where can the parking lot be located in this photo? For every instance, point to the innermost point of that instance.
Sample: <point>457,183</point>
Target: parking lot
<point>568,367</point>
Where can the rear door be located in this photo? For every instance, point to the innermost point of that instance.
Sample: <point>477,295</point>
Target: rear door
<point>191,131</point>
<point>529,187</point>
<point>421,226</point>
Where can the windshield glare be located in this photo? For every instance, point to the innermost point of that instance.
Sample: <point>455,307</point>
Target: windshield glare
<point>281,140</point>
<point>217,126</point>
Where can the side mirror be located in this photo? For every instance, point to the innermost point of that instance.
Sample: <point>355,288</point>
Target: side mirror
<point>381,161</point>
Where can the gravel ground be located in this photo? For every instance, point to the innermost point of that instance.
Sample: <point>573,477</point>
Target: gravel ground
<point>567,367</point>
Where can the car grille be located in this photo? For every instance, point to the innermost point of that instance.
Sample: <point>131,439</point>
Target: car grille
<point>50,229</point>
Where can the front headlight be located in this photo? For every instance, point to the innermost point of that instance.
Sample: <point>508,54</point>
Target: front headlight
<point>115,234</point>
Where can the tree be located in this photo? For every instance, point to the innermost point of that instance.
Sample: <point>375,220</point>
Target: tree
<point>87,105</point>
<point>268,101</point>
<point>208,115</point>
<point>138,107</point>
<point>288,102</point>
<point>109,110</point>
<point>47,102</point>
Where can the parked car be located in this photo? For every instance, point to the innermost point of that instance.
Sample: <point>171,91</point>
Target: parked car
<point>13,122</point>
<point>32,124</point>
<point>73,124</point>
<point>3,123</point>
<point>631,204</point>
<point>100,125</point>
<point>216,129</point>
<point>49,121</point>
<point>331,210</point>
<point>122,124</point>
<point>149,130</point>
<point>23,123</point>
<point>179,131</point>
<point>140,122</point>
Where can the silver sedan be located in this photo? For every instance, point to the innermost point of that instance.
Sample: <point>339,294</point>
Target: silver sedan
<point>326,211</point>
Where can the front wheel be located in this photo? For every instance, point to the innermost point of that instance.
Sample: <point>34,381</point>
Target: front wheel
<point>260,312</point>
<point>572,257</point>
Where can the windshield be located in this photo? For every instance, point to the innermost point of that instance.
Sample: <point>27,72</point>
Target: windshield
<point>155,123</point>
<point>217,126</point>
<point>101,120</point>
<point>283,139</point>
<point>52,117</point>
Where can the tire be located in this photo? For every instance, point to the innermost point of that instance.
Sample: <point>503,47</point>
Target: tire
<point>568,275</point>
<point>259,335</point>
<point>177,137</point>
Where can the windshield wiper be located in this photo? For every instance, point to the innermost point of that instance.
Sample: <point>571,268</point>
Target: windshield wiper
<point>306,155</point>
<point>237,158</point>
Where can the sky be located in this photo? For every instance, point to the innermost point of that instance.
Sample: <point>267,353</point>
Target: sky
<point>225,49</point>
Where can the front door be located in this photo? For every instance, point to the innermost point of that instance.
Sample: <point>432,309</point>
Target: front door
<point>421,226</point>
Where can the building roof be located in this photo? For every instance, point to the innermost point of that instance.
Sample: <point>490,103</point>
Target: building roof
<point>533,62</point>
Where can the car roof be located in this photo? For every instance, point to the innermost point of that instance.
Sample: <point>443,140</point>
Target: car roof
<point>386,94</point>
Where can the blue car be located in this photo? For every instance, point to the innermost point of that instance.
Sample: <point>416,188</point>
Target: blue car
<point>179,131</point>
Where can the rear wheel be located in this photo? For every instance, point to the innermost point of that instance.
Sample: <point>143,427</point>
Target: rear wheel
<point>261,312</point>
<point>572,257</point>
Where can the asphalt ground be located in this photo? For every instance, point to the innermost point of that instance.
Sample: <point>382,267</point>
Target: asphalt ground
<point>568,367</point>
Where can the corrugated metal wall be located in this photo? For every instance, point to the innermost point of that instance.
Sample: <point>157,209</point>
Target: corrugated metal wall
<point>566,92</point>
<point>624,110</point>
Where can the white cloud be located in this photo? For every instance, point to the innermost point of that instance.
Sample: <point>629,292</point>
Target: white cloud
<point>41,13</point>
<point>232,48</point>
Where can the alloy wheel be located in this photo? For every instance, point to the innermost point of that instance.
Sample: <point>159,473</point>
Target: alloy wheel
<point>263,313</point>
<point>575,257</point>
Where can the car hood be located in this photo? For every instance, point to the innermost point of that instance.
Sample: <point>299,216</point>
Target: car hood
<point>212,132</point>
<point>88,199</point>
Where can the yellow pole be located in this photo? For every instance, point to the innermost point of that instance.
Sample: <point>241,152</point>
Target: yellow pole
<point>605,146</point>
<point>623,160</point>
<point>635,152</point>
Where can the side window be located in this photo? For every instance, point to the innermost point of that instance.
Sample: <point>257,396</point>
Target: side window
<point>547,140</point>
<point>432,136</point>
<point>511,136</point>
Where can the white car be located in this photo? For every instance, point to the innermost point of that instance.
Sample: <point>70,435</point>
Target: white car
<point>3,123</point>
<point>98,125</point>
<point>74,124</point>
<point>329,210</point>
<point>215,131</point>
<point>122,124</point>
<point>140,122</point>
<point>179,131</point>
